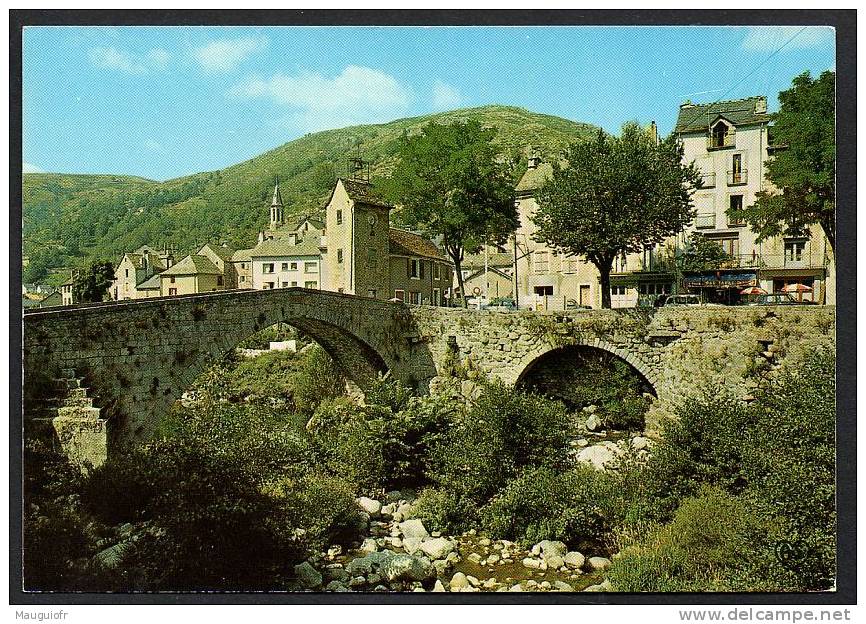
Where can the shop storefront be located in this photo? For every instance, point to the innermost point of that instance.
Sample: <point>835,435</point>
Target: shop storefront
<point>720,286</point>
<point>639,289</point>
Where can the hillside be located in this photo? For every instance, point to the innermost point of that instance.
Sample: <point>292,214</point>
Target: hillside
<point>72,219</point>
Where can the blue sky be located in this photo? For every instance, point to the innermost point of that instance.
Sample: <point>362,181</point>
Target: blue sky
<point>170,101</point>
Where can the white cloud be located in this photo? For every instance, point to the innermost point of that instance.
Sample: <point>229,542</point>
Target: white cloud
<point>357,95</point>
<point>159,57</point>
<point>31,168</point>
<point>152,145</point>
<point>129,62</point>
<point>771,38</point>
<point>224,55</point>
<point>445,96</point>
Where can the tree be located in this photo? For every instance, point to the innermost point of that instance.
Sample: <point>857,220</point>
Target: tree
<point>92,284</point>
<point>452,185</point>
<point>804,163</point>
<point>702,254</point>
<point>616,195</point>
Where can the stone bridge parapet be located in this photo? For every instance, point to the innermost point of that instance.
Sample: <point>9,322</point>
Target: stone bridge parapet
<point>139,356</point>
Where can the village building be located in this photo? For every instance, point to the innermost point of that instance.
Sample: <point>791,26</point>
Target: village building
<point>194,274</point>
<point>135,268</point>
<point>492,283</point>
<point>548,279</point>
<point>730,142</point>
<point>66,295</point>
<point>282,263</point>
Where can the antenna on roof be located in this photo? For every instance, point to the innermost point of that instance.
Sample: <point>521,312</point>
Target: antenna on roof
<point>357,168</point>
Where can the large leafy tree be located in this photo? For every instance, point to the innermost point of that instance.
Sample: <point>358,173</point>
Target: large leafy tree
<point>616,195</point>
<point>452,185</point>
<point>803,167</point>
<point>92,284</point>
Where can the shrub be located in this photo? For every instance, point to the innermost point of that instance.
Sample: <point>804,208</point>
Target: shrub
<point>317,378</point>
<point>322,506</point>
<point>441,510</point>
<point>705,548</point>
<point>543,504</point>
<point>377,447</point>
<point>206,517</point>
<point>503,432</point>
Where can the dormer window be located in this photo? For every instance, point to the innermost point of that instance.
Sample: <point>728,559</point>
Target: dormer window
<point>721,135</point>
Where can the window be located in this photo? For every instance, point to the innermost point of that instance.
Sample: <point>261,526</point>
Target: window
<point>171,279</point>
<point>293,266</point>
<point>736,203</point>
<point>371,293</point>
<point>372,258</point>
<point>311,267</point>
<point>654,289</point>
<point>415,298</point>
<point>437,298</point>
<point>570,264</point>
<point>415,269</point>
<point>339,217</point>
<point>721,136</point>
<point>219,280</point>
<point>543,290</point>
<point>127,272</point>
<point>285,266</point>
<point>541,261</point>
<point>731,245</point>
<point>617,290</point>
<point>267,286</point>
<point>339,256</point>
<point>312,285</point>
<point>243,265</point>
<point>794,250</point>
<point>285,284</point>
<point>294,284</point>
<point>738,174</point>
<point>620,264</point>
<point>242,278</point>
<point>436,269</point>
<point>172,291</point>
<point>400,294</point>
<point>268,267</point>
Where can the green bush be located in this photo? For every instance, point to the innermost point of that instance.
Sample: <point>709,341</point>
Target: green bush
<point>377,447</point>
<point>503,432</point>
<point>317,378</point>
<point>707,547</point>
<point>441,510</point>
<point>321,506</point>
<point>776,455</point>
<point>275,333</point>
<point>544,504</point>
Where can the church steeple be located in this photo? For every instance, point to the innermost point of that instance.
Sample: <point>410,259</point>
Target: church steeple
<point>276,206</point>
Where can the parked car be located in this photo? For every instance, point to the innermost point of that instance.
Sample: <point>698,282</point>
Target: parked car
<point>503,304</point>
<point>776,299</point>
<point>572,304</point>
<point>682,300</point>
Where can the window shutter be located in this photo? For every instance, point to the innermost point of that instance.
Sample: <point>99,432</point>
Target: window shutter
<point>421,269</point>
<point>408,267</point>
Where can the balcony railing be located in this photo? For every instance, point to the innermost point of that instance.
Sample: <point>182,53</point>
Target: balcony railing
<point>715,142</point>
<point>705,221</point>
<point>736,178</point>
<point>708,180</point>
<point>774,261</point>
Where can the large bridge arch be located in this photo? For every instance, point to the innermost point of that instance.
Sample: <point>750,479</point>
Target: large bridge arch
<point>139,356</point>
<point>531,360</point>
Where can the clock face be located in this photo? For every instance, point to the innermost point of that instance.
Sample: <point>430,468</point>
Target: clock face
<point>371,219</point>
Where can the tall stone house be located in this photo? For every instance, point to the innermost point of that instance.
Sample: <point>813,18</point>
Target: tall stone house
<point>284,263</point>
<point>730,142</point>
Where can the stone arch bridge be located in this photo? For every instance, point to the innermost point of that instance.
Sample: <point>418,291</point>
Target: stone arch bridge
<point>138,357</point>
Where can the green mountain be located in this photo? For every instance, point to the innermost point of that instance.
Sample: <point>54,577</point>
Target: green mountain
<point>69,220</point>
